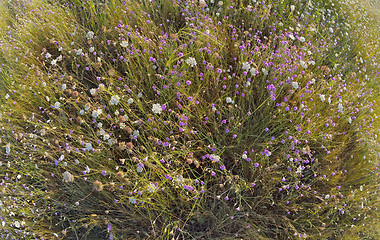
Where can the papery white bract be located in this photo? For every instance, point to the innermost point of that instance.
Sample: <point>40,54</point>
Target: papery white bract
<point>96,113</point>
<point>57,105</point>
<point>124,44</point>
<point>67,177</point>
<point>191,61</point>
<point>115,100</point>
<point>246,66</point>
<point>157,108</point>
<point>90,35</point>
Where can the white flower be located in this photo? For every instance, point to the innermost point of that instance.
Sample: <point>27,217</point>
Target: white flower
<point>264,71</point>
<point>6,96</point>
<point>136,133</point>
<point>322,97</point>
<point>246,66</point>
<point>96,113</point>
<point>329,100</point>
<point>244,156</point>
<point>139,95</point>
<point>8,148</point>
<point>130,100</point>
<point>93,91</point>
<point>349,120</point>
<point>90,35</point>
<point>295,85</point>
<point>292,8</point>
<point>124,44</point>
<point>139,168</point>
<point>191,61</point>
<point>229,100</point>
<point>67,177</point>
<point>64,86</point>
<point>79,51</point>
<point>340,107</point>
<point>92,49</point>
<point>88,146</point>
<point>17,224</point>
<point>53,62</point>
<point>151,188</point>
<point>57,105</point>
<point>81,112</point>
<point>302,39</point>
<point>115,100</point>
<point>253,71</point>
<point>106,136</point>
<point>292,36</point>
<point>157,108</point>
<point>48,55</point>
<point>214,158</point>
<point>303,64</point>
<point>87,170</point>
<point>132,200</point>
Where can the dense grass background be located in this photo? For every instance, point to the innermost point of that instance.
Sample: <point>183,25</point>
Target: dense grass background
<point>189,119</point>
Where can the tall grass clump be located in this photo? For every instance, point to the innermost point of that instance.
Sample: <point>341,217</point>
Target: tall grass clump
<point>180,119</point>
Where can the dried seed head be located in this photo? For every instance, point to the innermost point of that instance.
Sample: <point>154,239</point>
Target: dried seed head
<point>97,185</point>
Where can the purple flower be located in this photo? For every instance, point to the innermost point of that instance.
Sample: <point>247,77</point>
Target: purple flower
<point>223,167</point>
<point>256,164</point>
<point>188,188</point>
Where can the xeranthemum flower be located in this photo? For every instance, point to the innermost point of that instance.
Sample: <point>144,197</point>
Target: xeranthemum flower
<point>132,200</point>
<point>67,177</point>
<point>214,158</point>
<point>57,105</point>
<point>124,44</point>
<point>157,108</point>
<point>114,100</point>
<point>246,66</point>
<point>96,113</point>
<point>191,61</point>
<point>90,35</point>
<point>295,85</point>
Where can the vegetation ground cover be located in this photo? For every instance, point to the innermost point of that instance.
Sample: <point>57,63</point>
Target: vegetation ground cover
<point>179,119</point>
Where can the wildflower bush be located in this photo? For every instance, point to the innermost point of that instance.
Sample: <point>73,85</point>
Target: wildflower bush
<point>179,119</point>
